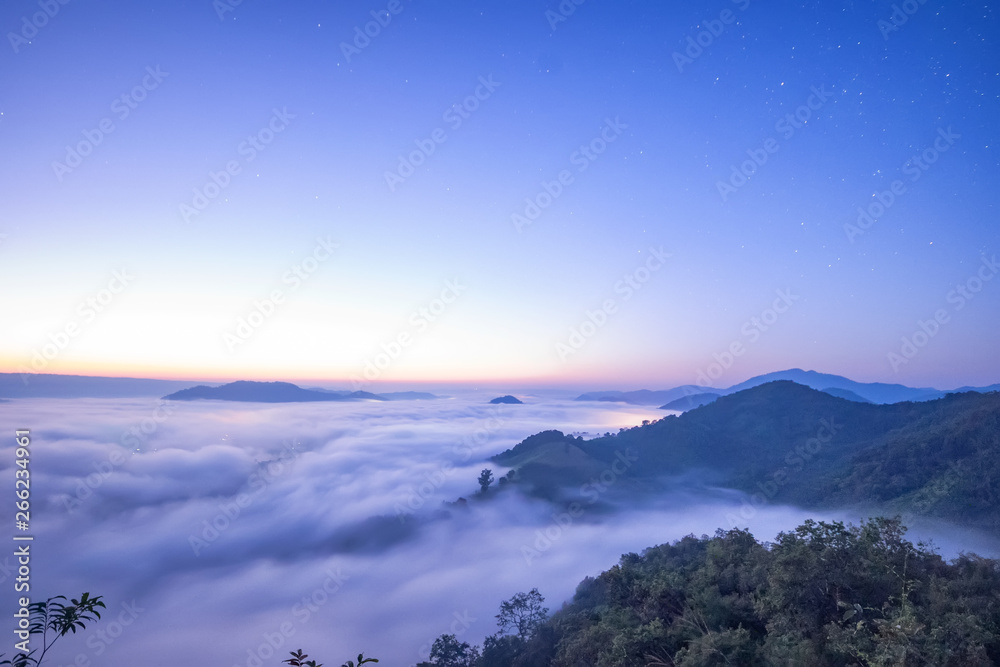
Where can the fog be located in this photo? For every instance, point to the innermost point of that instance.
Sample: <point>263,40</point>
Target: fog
<point>230,534</point>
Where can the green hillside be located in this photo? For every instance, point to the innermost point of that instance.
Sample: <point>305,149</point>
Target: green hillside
<point>791,444</point>
<point>823,595</point>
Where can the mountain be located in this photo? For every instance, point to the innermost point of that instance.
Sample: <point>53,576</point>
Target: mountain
<point>835,385</point>
<point>697,400</point>
<point>981,390</point>
<point>47,385</point>
<point>690,402</point>
<point>946,464</point>
<point>876,392</point>
<point>265,392</point>
<point>789,443</point>
<point>507,399</point>
<point>845,394</point>
<point>387,396</point>
<point>642,396</point>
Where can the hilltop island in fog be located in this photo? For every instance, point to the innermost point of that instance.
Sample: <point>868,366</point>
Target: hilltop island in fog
<point>508,399</point>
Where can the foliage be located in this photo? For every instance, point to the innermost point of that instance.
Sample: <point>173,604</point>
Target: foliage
<point>823,594</point>
<point>791,444</point>
<point>298,659</point>
<point>53,619</point>
<point>485,479</point>
<point>501,650</point>
<point>946,464</point>
<point>522,614</point>
<point>520,619</point>
<point>447,651</point>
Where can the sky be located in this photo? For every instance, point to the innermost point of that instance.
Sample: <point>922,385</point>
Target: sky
<point>611,195</point>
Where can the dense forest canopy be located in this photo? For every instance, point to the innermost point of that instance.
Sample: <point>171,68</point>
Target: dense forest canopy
<point>824,594</point>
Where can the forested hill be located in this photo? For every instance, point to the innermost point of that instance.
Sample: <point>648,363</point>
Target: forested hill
<point>823,595</point>
<point>797,445</point>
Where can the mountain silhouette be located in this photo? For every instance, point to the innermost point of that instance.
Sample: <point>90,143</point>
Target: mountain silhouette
<point>266,392</point>
<point>690,402</point>
<point>835,385</point>
<point>507,399</point>
<point>790,443</point>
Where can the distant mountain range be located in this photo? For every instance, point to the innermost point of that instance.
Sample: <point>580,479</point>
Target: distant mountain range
<point>643,396</point>
<point>788,443</point>
<point>684,397</point>
<point>284,392</point>
<point>846,394</point>
<point>690,402</point>
<point>835,385</point>
<point>45,385</point>
<point>265,392</point>
<point>698,400</point>
<point>384,396</point>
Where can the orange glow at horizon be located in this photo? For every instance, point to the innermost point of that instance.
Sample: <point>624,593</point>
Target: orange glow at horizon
<point>222,373</point>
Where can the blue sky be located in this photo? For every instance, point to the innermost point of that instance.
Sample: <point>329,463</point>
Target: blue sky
<point>492,104</point>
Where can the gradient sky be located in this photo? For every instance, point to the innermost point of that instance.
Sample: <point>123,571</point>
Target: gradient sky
<point>679,131</point>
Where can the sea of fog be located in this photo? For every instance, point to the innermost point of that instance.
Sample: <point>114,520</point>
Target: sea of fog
<point>229,534</point>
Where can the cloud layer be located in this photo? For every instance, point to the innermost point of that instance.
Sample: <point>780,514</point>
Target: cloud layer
<point>230,534</point>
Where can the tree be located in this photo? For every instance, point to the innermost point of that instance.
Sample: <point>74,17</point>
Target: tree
<point>447,651</point>
<point>298,659</point>
<point>523,614</point>
<point>501,651</point>
<point>508,478</point>
<point>485,479</point>
<point>53,619</point>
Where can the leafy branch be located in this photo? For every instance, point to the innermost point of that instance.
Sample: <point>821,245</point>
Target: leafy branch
<point>53,619</point>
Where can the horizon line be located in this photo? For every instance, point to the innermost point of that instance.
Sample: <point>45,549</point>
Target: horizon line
<point>465,382</point>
